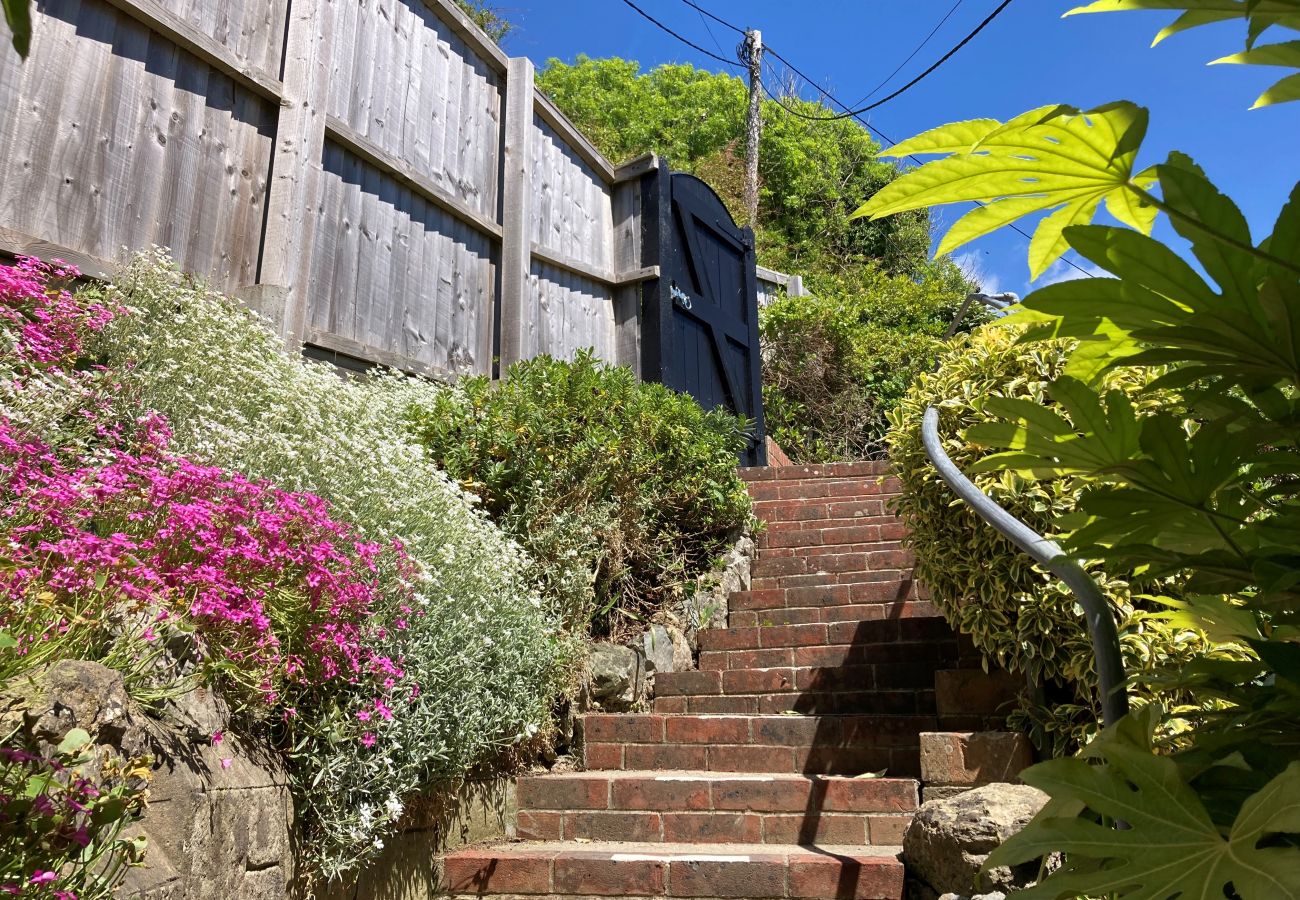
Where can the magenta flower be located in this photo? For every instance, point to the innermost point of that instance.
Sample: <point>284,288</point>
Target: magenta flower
<point>43,877</point>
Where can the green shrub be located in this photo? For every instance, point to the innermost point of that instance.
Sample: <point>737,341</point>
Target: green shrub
<point>1019,616</point>
<point>483,656</point>
<point>622,491</point>
<point>835,363</point>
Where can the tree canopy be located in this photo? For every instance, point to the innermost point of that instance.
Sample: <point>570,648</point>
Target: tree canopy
<point>813,175</point>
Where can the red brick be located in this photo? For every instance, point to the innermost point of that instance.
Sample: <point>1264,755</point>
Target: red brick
<point>757,681</point>
<point>825,877</point>
<point>728,638</point>
<point>653,794</point>
<point>612,826</point>
<point>888,830</point>
<point>743,619</point>
<point>766,566</point>
<point>539,826</point>
<point>770,658</point>
<point>666,756</point>
<point>694,682</point>
<point>813,827</point>
<point>849,761</point>
<point>870,795</point>
<point>790,538</point>
<point>792,635</point>
<point>838,678</point>
<point>486,872</point>
<point>764,490</point>
<point>842,562</point>
<point>974,691</point>
<point>818,595</point>
<point>803,490</point>
<point>602,756</point>
<point>879,591</point>
<point>890,559</point>
<point>856,509</point>
<point>793,731</point>
<point>763,796</point>
<point>707,878</point>
<point>622,728</point>
<point>671,705</point>
<point>749,759</point>
<point>697,730</point>
<point>973,759</point>
<point>852,534</point>
<point>799,615</point>
<point>713,828</point>
<point>598,874</point>
<point>768,599</point>
<point>562,792</point>
<point>725,705</point>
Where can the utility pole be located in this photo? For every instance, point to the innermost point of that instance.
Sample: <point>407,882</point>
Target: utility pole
<point>753,53</point>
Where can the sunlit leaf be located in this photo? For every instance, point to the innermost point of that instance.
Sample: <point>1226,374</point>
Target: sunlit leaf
<point>1053,158</point>
<point>1170,846</point>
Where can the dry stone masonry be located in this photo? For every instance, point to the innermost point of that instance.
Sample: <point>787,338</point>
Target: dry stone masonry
<point>787,764</point>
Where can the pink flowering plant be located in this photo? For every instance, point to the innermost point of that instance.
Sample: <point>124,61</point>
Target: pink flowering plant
<point>276,594</point>
<point>62,816</point>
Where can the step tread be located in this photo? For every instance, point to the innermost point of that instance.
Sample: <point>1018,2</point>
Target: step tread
<point>642,869</point>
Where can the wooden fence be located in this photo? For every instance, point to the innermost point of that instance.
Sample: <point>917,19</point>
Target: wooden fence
<point>375,176</point>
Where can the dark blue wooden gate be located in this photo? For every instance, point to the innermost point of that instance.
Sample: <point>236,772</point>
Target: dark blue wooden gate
<point>700,319</point>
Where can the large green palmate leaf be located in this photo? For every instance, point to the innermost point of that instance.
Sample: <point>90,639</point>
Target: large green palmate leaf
<point>18,16</point>
<point>1170,848</point>
<point>1054,158</point>
<point>1260,15</point>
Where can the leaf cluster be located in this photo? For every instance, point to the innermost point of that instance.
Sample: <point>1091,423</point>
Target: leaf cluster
<point>812,175</point>
<point>622,492</point>
<point>1204,488</point>
<point>836,362</point>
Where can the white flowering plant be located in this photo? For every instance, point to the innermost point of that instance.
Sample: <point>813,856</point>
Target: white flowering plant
<point>481,656</point>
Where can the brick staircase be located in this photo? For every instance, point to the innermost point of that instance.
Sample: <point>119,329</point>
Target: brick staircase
<point>745,779</point>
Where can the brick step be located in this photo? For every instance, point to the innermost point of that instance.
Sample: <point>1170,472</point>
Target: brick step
<point>828,589</point>
<point>947,650</point>
<point>707,807</point>
<point>831,523</point>
<point>832,488</point>
<point>893,599</point>
<point>876,504</point>
<point>645,870</point>
<point>811,615</point>
<point>830,534</point>
<point>882,560</point>
<point>823,634</point>
<point>823,745</point>
<point>810,703</point>
<point>908,675</point>
<point>860,468</point>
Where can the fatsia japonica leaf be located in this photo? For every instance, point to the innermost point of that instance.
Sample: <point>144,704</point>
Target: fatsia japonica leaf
<point>18,16</point>
<point>1260,15</point>
<point>1171,848</point>
<point>1056,158</point>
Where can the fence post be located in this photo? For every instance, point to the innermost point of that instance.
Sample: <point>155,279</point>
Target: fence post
<point>516,210</point>
<point>295,174</point>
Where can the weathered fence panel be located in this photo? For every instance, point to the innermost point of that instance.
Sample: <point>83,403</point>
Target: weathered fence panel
<point>374,175</point>
<point>113,136</point>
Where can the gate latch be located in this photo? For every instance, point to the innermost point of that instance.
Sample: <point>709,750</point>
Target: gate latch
<point>680,297</point>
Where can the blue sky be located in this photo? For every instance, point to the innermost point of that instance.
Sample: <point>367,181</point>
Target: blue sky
<point>1028,57</point>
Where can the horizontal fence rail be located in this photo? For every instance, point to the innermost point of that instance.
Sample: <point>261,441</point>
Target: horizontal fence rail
<point>375,176</point>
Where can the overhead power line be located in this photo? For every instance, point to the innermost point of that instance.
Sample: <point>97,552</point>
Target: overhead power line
<point>887,139</point>
<point>852,113</point>
<point>911,56</point>
<point>661,26</point>
<point>704,12</point>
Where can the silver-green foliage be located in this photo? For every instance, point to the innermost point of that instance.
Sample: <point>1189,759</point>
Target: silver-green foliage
<point>485,653</point>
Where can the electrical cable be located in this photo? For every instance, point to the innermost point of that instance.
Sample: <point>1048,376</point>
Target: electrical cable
<point>911,56</point>
<point>702,11</point>
<point>661,26</point>
<point>853,113</point>
<point>889,140</point>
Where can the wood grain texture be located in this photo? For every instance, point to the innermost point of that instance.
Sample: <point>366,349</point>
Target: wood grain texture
<point>401,275</point>
<point>444,122</point>
<point>116,139</point>
<point>350,165</point>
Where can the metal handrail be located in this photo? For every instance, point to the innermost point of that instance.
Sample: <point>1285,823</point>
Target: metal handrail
<point>1097,612</point>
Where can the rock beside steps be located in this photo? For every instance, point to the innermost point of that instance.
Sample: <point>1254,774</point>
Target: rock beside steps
<point>786,766</point>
